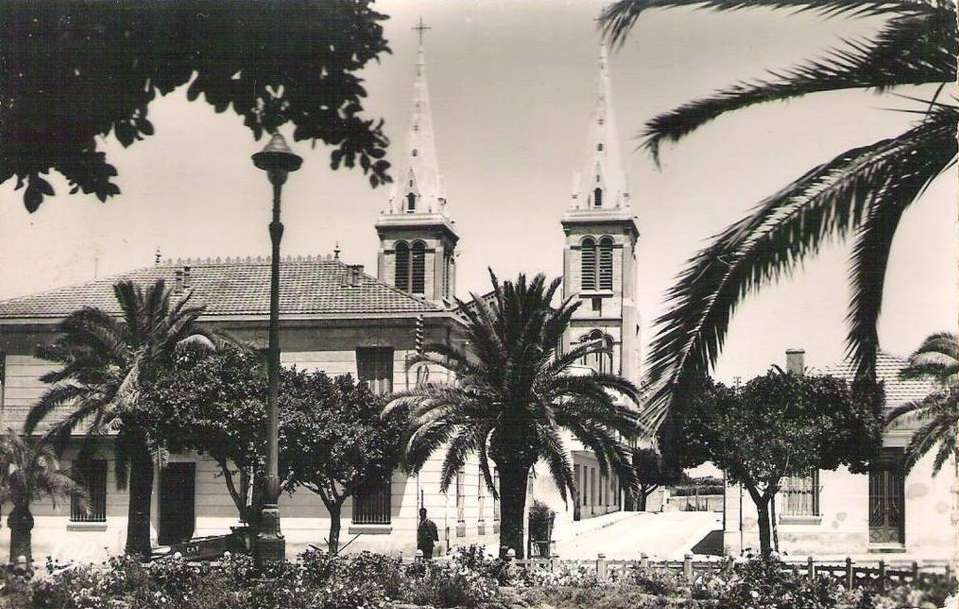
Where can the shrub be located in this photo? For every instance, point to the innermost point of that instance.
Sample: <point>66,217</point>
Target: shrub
<point>450,585</point>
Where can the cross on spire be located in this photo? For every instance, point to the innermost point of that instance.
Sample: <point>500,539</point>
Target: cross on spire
<point>420,28</point>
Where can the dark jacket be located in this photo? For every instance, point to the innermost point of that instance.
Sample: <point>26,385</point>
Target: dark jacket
<point>426,533</point>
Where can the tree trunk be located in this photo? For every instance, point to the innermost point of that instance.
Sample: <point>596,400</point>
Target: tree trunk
<point>141,493</point>
<point>643,494</point>
<point>333,541</point>
<point>762,509</point>
<point>513,481</point>
<point>20,522</point>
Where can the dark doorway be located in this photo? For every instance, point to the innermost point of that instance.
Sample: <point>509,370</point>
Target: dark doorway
<point>177,502</point>
<point>887,507</point>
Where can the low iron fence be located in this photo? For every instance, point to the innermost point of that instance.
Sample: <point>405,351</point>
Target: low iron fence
<point>852,574</point>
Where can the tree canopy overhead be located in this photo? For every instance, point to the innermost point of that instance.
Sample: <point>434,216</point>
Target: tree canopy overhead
<point>74,70</point>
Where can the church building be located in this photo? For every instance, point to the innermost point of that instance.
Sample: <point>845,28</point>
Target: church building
<point>337,318</point>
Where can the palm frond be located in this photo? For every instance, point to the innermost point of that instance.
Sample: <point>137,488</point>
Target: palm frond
<point>831,199</point>
<point>619,18</point>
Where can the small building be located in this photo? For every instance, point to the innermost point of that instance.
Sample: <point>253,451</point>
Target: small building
<point>838,513</point>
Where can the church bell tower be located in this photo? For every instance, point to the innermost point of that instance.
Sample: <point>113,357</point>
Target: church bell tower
<point>417,236</point>
<point>599,257</point>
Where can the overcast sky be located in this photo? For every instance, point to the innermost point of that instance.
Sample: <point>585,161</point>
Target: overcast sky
<point>512,84</point>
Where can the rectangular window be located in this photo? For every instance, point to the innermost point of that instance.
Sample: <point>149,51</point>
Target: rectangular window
<point>374,366</point>
<point>578,482</point>
<point>496,501</point>
<point>480,493</point>
<point>460,497</point>
<point>597,304</point>
<point>3,376</point>
<point>592,486</point>
<point>92,477</point>
<point>801,495</point>
<point>372,505</point>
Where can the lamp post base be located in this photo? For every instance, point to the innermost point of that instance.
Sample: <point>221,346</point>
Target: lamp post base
<point>269,548</point>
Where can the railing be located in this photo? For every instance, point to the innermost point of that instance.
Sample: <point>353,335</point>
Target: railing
<point>850,573</point>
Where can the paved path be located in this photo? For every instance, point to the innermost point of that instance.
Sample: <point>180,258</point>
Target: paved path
<point>668,535</point>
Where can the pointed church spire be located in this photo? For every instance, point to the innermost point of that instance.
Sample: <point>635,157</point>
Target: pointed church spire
<point>419,187</point>
<point>602,181</point>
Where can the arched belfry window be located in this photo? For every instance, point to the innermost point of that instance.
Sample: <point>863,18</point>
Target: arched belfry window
<point>601,359</point>
<point>402,281</point>
<point>411,202</point>
<point>597,197</point>
<point>418,274</point>
<point>606,263</point>
<point>588,265</point>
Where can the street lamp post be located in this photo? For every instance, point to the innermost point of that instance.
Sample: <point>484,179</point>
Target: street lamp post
<point>277,160</point>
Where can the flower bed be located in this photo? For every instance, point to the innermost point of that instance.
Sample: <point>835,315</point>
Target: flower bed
<point>469,579</point>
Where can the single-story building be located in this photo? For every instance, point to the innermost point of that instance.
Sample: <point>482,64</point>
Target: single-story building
<point>838,513</point>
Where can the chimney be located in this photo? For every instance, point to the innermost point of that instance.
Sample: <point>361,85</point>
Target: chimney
<point>178,283</point>
<point>356,271</point>
<point>186,277</point>
<point>795,361</point>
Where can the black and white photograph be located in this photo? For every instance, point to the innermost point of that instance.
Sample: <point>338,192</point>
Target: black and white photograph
<point>479,304</point>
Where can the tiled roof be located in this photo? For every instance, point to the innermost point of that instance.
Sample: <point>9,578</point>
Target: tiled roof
<point>308,285</point>
<point>888,366</point>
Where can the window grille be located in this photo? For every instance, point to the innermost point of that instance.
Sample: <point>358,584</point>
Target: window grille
<point>418,276</point>
<point>374,366</point>
<point>801,495</point>
<point>606,263</point>
<point>460,497</point>
<point>480,493</point>
<point>372,505</point>
<point>588,252</point>
<point>93,478</point>
<point>402,266</point>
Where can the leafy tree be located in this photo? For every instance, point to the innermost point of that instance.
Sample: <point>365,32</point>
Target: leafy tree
<point>73,71</point>
<point>334,441</point>
<point>215,404</point>
<point>105,361</point>
<point>936,359</point>
<point>30,472</point>
<point>862,192</point>
<point>652,472</point>
<point>514,396</point>
<point>780,425</point>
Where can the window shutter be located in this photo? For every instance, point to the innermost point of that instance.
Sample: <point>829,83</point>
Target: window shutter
<point>418,279</point>
<point>606,264</point>
<point>402,266</point>
<point>588,265</point>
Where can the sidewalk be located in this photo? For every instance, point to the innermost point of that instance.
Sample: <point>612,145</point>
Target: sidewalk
<point>581,527</point>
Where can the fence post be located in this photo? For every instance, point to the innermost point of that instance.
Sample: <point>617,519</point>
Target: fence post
<point>601,567</point>
<point>688,567</point>
<point>849,574</point>
<point>643,561</point>
<point>948,572</point>
<point>915,571</point>
<point>810,568</point>
<point>882,575</point>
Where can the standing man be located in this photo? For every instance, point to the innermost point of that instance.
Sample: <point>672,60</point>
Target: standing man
<point>426,535</point>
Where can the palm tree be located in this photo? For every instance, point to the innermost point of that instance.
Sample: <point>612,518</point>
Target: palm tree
<point>514,396</point>
<point>936,359</point>
<point>863,191</point>
<point>105,360</point>
<point>30,472</point>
